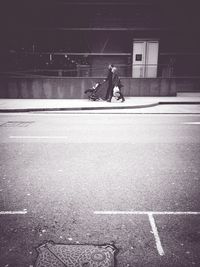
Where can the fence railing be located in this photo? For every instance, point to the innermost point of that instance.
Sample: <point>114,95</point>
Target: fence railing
<point>135,71</point>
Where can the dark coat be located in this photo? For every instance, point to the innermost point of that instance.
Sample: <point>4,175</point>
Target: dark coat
<point>109,77</point>
<point>116,81</point>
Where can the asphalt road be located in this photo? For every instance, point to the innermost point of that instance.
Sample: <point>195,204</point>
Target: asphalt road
<point>65,171</point>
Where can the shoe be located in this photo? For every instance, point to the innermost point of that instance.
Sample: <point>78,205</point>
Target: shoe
<point>123,100</point>
<point>108,100</point>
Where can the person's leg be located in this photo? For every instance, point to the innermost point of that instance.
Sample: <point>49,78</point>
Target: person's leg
<point>110,94</point>
<point>121,97</point>
<point>107,94</point>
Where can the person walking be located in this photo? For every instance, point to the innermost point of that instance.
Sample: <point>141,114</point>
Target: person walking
<point>116,82</point>
<point>110,86</point>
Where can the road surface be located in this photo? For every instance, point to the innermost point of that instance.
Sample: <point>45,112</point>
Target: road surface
<point>124,179</point>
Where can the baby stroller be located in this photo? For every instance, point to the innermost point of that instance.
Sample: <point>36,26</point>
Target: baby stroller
<point>93,92</point>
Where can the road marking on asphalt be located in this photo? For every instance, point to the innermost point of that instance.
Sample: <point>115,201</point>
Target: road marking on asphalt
<point>107,212</point>
<point>37,137</point>
<point>81,113</point>
<point>19,212</point>
<point>192,122</point>
<point>156,235</point>
<point>151,220</point>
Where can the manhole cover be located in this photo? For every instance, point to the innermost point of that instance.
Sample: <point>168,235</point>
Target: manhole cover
<point>16,123</point>
<point>60,255</point>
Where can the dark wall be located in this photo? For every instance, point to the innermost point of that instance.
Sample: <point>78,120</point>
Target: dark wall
<point>31,30</point>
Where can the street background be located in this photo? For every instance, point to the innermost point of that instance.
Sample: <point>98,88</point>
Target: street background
<point>63,167</point>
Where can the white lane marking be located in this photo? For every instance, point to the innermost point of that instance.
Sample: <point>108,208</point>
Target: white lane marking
<point>37,137</point>
<point>81,113</point>
<point>20,212</point>
<point>147,212</point>
<point>156,235</point>
<point>192,122</point>
<point>151,220</point>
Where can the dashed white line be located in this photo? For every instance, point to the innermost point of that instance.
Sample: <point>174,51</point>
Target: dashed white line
<point>156,235</point>
<point>151,220</point>
<point>37,137</point>
<point>147,212</point>
<point>192,123</point>
<point>19,212</point>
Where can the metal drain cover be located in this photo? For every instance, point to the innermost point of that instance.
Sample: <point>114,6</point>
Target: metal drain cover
<point>60,255</point>
<point>17,123</point>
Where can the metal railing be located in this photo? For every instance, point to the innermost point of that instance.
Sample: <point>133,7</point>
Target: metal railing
<point>124,70</point>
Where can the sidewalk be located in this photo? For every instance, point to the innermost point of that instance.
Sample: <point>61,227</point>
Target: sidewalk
<point>28,105</point>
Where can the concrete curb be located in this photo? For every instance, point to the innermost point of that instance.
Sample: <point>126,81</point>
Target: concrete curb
<point>77,108</point>
<point>179,103</point>
<point>118,107</point>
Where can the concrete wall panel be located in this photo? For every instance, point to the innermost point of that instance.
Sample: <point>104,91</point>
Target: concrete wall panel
<point>73,88</point>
